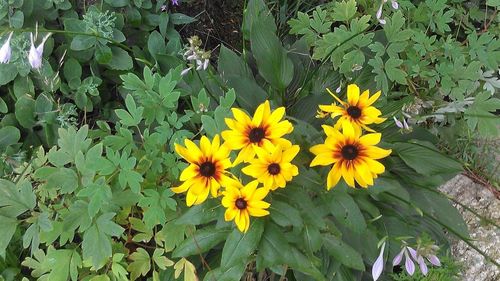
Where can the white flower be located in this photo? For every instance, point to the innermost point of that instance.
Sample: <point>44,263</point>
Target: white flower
<point>395,4</point>
<point>35,56</point>
<point>378,265</point>
<point>6,50</point>
<point>185,71</point>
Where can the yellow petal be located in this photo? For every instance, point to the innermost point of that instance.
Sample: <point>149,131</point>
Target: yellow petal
<point>290,153</point>
<point>322,159</point>
<point>191,157</point>
<point>370,139</point>
<point>334,176</point>
<point>335,97</point>
<point>230,214</point>
<point>352,94</point>
<point>347,173</point>
<point>376,152</point>
<point>276,116</point>
<point>183,187</point>
<point>255,212</point>
<point>280,129</point>
<point>241,116</point>
<point>259,114</point>
<point>373,98</point>
<point>190,172</point>
<point>259,194</point>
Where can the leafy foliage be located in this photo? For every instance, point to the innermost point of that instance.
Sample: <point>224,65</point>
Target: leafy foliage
<point>88,140</point>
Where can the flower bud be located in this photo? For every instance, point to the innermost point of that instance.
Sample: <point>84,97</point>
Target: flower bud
<point>6,50</point>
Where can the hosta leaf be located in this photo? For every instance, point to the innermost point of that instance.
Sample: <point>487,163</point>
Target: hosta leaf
<point>346,211</point>
<point>342,252</point>
<point>426,161</point>
<point>200,242</point>
<point>7,230</point>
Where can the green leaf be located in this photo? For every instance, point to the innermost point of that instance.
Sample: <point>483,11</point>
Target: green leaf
<point>426,161</point>
<point>160,260</point>
<point>15,200</point>
<point>9,135</point>
<point>344,11</point>
<point>273,249</point>
<point>346,211</point>
<point>239,246</point>
<point>156,44</point>
<point>25,111</point>
<point>230,274</point>
<point>200,242</point>
<point>96,245</point>
<point>140,265</point>
<point>17,19</point>
<point>7,230</point>
<point>272,59</point>
<point>285,215</point>
<point>8,72</point>
<point>121,60</point>
<point>343,253</point>
<point>198,214</point>
<point>83,42</point>
<point>394,73</point>
<point>72,69</point>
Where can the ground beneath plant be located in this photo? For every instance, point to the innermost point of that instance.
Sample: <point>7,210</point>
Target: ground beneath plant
<point>218,22</point>
<point>486,236</point>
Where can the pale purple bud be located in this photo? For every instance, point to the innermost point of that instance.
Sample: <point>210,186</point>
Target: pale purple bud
<point>6,50</point>
<point>175,2</point>
<point>379,11</point>
<point>398,123</point>
<point>378,265</point>
<point>405,124</point>
<point>382,21</point>
<point>338,89</point>
<point>185,71</point>
<point>434,260</point>
<point>409,265</point>
<point>423,266</point>
<point>397,259</point>
<point>191,57</point>
<point>205,64</point>
<point>413,253</point>
<point>35,56</point>
<point>395,4</point>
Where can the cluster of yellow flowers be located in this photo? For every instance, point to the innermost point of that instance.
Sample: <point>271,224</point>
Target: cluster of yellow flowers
<point>353,154</point>
<point>261,144</point>
<point>268,155</point>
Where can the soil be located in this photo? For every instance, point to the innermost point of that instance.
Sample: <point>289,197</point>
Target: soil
<point>218,22</point>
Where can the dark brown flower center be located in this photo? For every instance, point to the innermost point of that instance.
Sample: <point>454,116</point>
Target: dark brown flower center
<point>241,203</point>
<point>354,112</point>
<point>256,135</point>
<point>349,152</point>
<point>207,169</point>
<point>273,169</point>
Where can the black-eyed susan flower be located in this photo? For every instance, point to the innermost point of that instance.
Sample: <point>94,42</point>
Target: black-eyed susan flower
<point>206,171</point>
<point>264,128</point>
<point>354,157</point>
<point>272,166</point>
<point>242,202</point>
<point>357,111</point>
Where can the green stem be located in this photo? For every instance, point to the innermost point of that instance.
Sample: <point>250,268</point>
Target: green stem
<point>465,239</point>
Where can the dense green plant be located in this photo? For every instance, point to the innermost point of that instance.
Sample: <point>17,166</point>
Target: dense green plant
<point>95,202</point>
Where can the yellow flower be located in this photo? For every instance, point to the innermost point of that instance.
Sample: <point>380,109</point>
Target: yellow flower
<point>263,129</point>
<point>357,111</point>
<point>206,171</point>
<point>241,202</point>
<point>272,167</point>
<point>353,156</point>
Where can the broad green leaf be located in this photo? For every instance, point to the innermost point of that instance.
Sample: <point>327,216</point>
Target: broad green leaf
<point>273,249</point>
<point>9,135</point>
<point>285,215</point>
<point>239,246</point>
<point>200,242</point>
<point>426,161</point>
<point>272,59</point>
<point>16,199</point>
<point>342,252</point>
<point>7,230</point>
<point>346,211</point>
<point>140,265</point>
<point>25,111</point>
<point>121,60</point>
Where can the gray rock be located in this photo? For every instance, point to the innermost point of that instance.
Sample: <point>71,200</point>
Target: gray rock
<point>486,236</point>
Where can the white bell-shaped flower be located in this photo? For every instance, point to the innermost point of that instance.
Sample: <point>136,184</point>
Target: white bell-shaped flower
<point>6,50</point>
<point>35,56</point>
